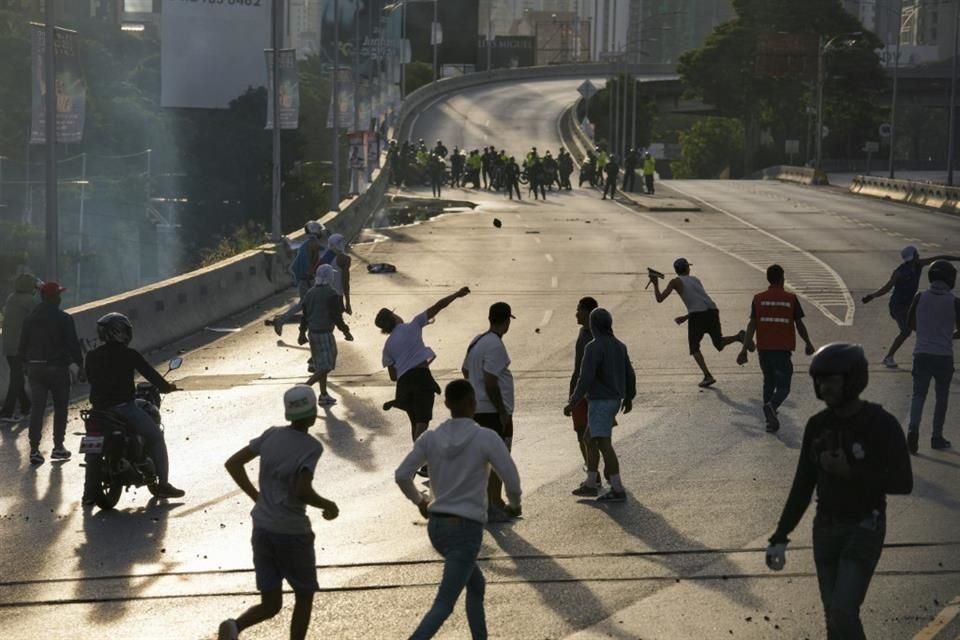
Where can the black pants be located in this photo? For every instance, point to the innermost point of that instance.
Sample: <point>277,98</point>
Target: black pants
<point>512,186</point>
<point>494,484</point>
<point>648,180</point>
<point>629,181</point>
<point>611,188</point>
<point>435,182</point>
<point>54,380</point>
<point>16,388</point>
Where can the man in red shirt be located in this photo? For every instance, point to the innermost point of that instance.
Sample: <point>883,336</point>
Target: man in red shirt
<point>775,318</point>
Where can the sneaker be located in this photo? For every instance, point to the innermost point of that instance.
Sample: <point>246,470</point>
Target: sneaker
<point>228,630</point>
<point>277,326</point>
<point>59,453</point>
<point>939,442</point>
<point>36,457</point>
<point>586,491</point>
<point>497,516</point>
<point>326,401</point>
<point>709,381</point>
<point>889,363</point>
<point>166,490</point>
<point>613,496</point>
<point>770,414</point>
<point>913,441</point>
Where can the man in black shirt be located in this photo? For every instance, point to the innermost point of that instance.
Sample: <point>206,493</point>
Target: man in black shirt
<point>854,454</point>
<point>50,349</point>
<point>512,173</point>
<point>612,170</point>
<point>110,370</point>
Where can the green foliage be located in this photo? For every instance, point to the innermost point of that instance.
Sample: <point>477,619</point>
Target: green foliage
<point>726,72</point>
<point>244,238</point>
<point>418,75</point>
<point>600,111</point>
<point>709,148</point>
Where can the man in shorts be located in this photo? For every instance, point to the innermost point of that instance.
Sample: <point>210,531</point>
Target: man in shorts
<point>282,535</point>
<point>408,359</point>
<point>904,282</point>
<point>487,367</point>
<point>579,411</point>
<point>322,311</point>
<point>608,381</point>
<point>703,317</point>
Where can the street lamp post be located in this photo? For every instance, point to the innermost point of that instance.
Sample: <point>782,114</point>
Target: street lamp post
<point>434,38</point>
<point>848,39</point>
<point>335,191</point>
<point>952,129</point>
<point>893,99</point>
<point>51,232</point>
<point>276,228</point>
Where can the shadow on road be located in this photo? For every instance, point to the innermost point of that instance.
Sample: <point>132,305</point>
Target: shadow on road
<point>342,438</point>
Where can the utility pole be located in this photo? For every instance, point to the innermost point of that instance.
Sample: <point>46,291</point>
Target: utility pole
<point>952,133</point>
<point>893,100</point>
<point>335,192</point>
<point>819,132</point>
<point>52,231</point>
<point>434,39</point>
<point>276,228</point>
<point>354,171</point>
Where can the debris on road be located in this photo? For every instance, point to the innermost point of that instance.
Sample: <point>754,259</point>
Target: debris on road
<point>381,267</point>
<point>497,223</point>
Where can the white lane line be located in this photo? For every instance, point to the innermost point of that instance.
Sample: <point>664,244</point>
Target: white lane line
<point>554,282</point>
<point>938,624</point>
<point>838,287</point>
<point>547,316</point>
<point>548,257</point>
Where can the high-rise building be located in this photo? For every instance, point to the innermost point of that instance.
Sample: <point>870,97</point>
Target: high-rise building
<point>669,28</point>
<point>929,26</point>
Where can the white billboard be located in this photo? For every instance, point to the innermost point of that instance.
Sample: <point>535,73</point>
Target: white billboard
<point>212,51</point>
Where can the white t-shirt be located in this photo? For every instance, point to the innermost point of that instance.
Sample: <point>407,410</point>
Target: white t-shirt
<point>284,452</point>
<point>489,355</point>
<point>404,348</point>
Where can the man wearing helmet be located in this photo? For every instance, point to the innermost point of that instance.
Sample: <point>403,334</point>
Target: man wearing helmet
<point>110,370</point>
<point>854,455</point>
<point>935,316</point>
<point>904,282</point>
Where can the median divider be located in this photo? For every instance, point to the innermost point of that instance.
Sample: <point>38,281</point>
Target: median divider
<point>799,175</point>
<point>923,194</point>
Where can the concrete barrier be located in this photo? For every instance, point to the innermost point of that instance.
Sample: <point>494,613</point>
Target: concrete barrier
<point>924,194</point>
<point>799,175</point>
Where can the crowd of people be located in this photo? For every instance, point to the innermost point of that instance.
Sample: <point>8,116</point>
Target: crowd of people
<point>854,453</point>
<point>492,169</point>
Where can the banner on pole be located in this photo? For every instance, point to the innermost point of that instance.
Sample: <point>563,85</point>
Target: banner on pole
<point>289,89</point>
<point>71,92</point>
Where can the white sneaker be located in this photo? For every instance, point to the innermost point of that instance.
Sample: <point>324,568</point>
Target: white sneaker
<point>889,363</point>
<point>228,630</point>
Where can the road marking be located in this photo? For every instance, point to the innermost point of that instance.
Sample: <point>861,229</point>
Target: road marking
<point>548,257</point>
<point>547,316</point>
<point>820,285</point>
<point>554,281</point>
<point>938,624</point>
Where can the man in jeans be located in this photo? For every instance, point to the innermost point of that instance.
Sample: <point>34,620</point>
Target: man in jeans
<point>16,309</point>
<point>459,453</point>
<point>935,316</point>
<point>52,353</point>
<point>854,455</point>
<point>487,367</point>
<point>775,318</point>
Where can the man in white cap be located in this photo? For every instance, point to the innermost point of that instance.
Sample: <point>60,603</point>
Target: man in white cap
<point>282,535</point>
<point>904,282</point>
<point>322,311</point>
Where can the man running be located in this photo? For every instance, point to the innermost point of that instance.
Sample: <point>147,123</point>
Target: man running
<point>904,281</point>
<point>775,318</point>
<point>408,359</point>
<point>703,317</point>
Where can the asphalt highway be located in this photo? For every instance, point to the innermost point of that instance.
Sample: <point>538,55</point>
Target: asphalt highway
<point>682,558</point>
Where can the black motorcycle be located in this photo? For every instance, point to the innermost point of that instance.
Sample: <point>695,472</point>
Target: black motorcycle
<point>116,452</point>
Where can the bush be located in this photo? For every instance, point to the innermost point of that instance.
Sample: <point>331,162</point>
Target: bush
<point>418,74</point>
<point>244,238</point>
<point>709,148</point>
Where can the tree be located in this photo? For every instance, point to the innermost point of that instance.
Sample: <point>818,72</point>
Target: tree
<point>600,112</point>
<point>709,148</point>
<point>742,80</point>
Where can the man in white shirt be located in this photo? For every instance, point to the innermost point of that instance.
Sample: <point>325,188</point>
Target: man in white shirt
<point>460,454</point>
<point>487,367</point>
<point>408,359</point>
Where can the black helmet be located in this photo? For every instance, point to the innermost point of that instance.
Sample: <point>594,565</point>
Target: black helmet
<point>115,327</point>
<point>845,359</point>
<point>943,271</point>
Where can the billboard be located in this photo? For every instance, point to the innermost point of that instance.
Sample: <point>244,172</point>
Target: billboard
<point>459,22</point>
<point>71,92</point>
<point>508,52</point>
<point>289,86</point>
<point>212,52</point>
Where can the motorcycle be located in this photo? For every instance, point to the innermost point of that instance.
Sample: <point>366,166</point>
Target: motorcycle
<point>117,453</point>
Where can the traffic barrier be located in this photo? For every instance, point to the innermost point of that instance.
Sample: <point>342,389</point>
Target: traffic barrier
<point>799,175</point>
<point>923,194</point>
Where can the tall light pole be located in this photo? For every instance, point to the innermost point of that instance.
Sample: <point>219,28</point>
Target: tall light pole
<point>952,132</point>
<point>335,192</point>
<point>893,99</point>
<point>52,231</point>
<point>276,229</point>
<point>434,38</point>
<point>847,40</point>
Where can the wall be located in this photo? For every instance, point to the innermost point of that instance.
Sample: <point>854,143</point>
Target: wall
<point>924,194</point>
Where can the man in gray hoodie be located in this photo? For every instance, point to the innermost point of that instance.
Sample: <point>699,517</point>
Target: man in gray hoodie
<point>16,309</point>
<point>608,382</point>
<point>460,453</point>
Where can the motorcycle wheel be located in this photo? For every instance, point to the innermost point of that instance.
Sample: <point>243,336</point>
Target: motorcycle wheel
<point>106,494</point>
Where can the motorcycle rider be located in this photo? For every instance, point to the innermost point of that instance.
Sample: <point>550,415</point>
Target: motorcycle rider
<point>110,371</point>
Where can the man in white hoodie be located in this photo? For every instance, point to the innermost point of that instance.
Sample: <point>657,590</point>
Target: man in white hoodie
<point>460,453</point>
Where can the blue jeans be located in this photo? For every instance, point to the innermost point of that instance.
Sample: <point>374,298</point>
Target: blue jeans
<point>458,541</point>
<point>925,367</point>
<point>846,555</point>
<point>777,368</point>
<point>142,424</point>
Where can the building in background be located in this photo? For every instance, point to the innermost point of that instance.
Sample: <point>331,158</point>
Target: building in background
<point>927,33</point>
<point>669,28</point>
